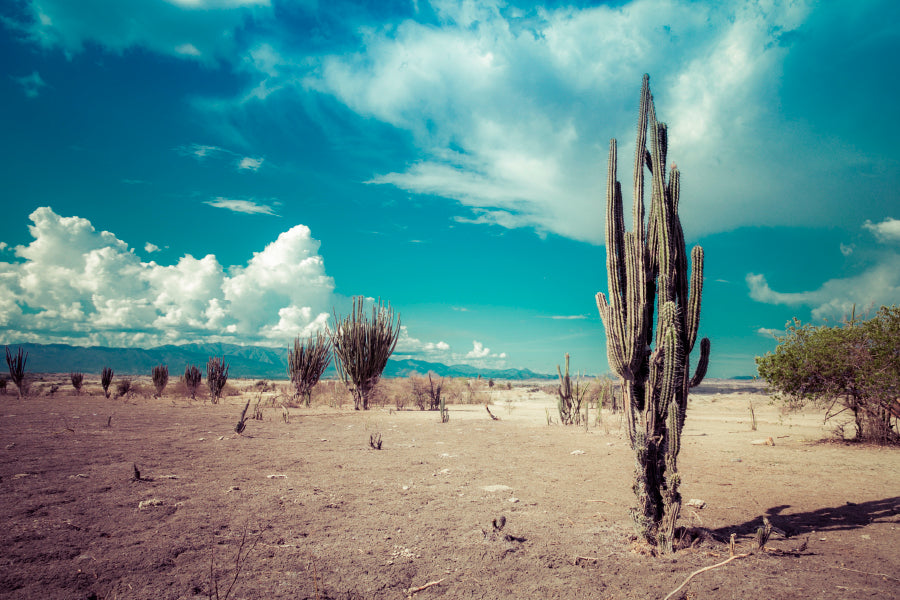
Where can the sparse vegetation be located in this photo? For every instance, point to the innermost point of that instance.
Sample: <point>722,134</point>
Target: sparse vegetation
<point>77,380</point>
<point>192,379</point>
<point>306,363</point>
<point>160,375</point>
<point>16,364</point>
<point>216,377</point>
<point>123,387</point>
<point>362,347</point>
<point>854,365</point>
<point>647,270</point>
<point>106,377</point>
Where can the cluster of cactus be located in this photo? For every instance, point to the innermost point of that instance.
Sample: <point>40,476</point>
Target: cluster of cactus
<point>160,375</point>
<point>216,377</point>
<point>647,269</point>
<point>306,363</point>
<point>192,379</point>
<point>362,347</point>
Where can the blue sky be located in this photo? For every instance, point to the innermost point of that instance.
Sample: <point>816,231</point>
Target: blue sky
<point>232,170</point>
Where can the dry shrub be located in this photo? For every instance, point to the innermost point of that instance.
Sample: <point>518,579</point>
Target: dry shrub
<point>330,392</point>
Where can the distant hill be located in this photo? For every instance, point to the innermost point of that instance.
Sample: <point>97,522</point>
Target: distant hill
<point>248,362</point>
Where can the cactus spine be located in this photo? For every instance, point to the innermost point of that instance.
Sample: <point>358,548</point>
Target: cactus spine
<point>647,269</point>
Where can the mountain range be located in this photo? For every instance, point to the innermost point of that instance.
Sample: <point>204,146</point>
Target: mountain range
<point>247,362</point>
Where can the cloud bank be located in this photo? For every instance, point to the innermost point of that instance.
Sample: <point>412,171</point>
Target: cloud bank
<point>75,285</point>
<point>876,285</point>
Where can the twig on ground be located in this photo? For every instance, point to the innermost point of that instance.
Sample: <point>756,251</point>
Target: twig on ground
<point>487,408</point>
<point>698,571</point>
<point>411,591</point>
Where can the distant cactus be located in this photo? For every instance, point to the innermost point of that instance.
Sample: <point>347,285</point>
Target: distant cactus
<point>647,270</point>
<point>571,397</point>
<point>216,377</point>
<point>192,379</point>
<point>362,348</point>
<point>306,363</point>
<point>16,366</point>
<point>77,381</point>
<point>106,376</point>
<point>160,378</point>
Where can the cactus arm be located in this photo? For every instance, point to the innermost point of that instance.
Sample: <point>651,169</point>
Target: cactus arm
<point>692,320</point>
<point>702,364</point>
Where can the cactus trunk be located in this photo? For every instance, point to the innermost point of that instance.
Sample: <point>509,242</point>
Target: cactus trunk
<point>653,299</point>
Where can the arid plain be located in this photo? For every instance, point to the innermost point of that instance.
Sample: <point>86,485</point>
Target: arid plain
<point>305,508</point>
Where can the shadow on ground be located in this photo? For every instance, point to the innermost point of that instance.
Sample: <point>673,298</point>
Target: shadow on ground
<point>836,518</point>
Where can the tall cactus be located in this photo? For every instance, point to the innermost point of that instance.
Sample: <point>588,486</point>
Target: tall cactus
<point>647,269</point>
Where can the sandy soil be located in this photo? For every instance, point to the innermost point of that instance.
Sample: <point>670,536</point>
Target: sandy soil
<point>307,509</point>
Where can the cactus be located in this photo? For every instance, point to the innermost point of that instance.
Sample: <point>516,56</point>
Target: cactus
<point>571,398</point>
<point>160,375</point>
<point>216,377</point>
<point>77,379</point>
<point>362,348</point>
<point>307,362</point>
<point>647,269</point>
<point>192,378</point>
<point>106,376</point>
<point>16,363</point>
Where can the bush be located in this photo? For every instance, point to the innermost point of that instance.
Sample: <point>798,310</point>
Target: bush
<point>854,365</point>
<point>16,364</point>
<point>192,379</point>
<point>106,376</point>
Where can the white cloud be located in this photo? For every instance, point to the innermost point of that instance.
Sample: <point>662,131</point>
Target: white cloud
<point>847,250</point>
<point>250,164</point>
<point>194,29</point>
<point>31,84</point>
<point>415,348</point>
<point>511,111</point>
<point>151,247</point>
<point>769,333</point>
<point>249,207</point>
<point>875,286</point>
<point>73,284</point>
<point>201,151</point>
<point>886,231</point>
<point>568,317</point>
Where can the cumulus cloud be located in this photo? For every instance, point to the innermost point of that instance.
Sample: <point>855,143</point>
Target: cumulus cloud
<point>769,333</point>
<point>31,84</point>
<point>150,247</point>
<point>886,231</point>
<point>411,347</point>
<point>877,285</point>
<point>73,284</point>
<point>249,207</point>
<point>202,30</point>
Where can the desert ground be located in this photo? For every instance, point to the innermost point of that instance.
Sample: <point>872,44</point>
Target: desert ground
<point>305,508</point>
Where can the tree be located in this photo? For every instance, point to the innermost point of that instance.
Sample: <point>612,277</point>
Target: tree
<point>216,377</point>
<point>647,271</point>
<point>362,347</point>
<point>306,363</point>
<point>854,365</point>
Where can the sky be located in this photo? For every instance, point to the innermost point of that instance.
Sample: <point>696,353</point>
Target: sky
<point>236,171</point>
